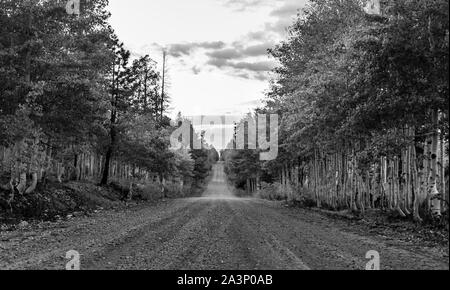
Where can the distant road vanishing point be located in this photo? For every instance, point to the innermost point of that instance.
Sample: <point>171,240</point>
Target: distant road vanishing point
<point>217,187</point>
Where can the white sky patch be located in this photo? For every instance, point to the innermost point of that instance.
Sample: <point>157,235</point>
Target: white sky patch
<point>217,58</point>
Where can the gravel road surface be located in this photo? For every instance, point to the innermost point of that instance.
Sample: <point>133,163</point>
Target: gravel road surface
<point>215,232</point>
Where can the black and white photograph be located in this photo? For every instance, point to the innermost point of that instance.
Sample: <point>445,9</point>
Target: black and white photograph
<point>224,143</point>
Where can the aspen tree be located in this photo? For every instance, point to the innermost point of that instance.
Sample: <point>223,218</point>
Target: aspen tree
<point>353,181</point>
<point>416,184</point>
<point>391,185</point>
<point>426,172</point>
<point>360,198</point>
<point>442,171</point>
<point>34,164</point>
<point>434,196</point>
<point>334,186</point>
<point>316,170</point>
<point>407,176</point>
<point>397,191</point>
<point>366,185</point>
<point>345,178</point>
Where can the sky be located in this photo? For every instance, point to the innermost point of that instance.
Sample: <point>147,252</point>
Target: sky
<point>217,49</point>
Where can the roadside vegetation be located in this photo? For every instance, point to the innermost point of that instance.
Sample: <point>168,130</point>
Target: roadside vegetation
<point>83,121</point>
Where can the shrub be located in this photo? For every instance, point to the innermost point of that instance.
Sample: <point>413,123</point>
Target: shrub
<point>271,191</point>
<point>148,191</point>
<point>173,190</point>
<point>298,195</point>
<point>304,197</point>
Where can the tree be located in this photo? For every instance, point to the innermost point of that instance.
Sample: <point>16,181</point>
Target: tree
<point>358,96</point>
<point>50,61</point>
<point>121,90</point>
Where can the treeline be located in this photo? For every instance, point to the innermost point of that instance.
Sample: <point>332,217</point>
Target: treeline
<point>76,105</point>
<point>363,101</point>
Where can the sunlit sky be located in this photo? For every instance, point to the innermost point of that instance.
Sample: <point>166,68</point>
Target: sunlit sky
<point>217,56</point>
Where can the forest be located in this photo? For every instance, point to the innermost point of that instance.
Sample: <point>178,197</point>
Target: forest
<point>362,100</point>
<point>77,106</point>
<point>349,172</point>
<point>363,103</point>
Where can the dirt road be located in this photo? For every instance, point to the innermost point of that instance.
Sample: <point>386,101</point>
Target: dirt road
<point>215,232</point>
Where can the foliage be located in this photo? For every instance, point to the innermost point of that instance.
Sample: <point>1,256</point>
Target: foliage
<point>76,104</point>
<point>352,88</point>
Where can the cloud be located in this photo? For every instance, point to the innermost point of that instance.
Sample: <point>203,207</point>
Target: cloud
<point>180,49</point>
<point>185,49</point>
<point>242,5</point>
<point>279,27</point>
<point>284,16</point>
<point>244,75</point>
<point>217,62</point>
<point>287,10</point>
<point>262,76</point>
<point>257,35</point>
<point>238,50</point>
<point>245,69</point>
<point>282,8</point>
<point>227,53</point>
<point>196,70</point>
<point>212,45</point>
<point>243,61</point>
<point>247,56</point>
<point>258,49</point>
<point>260,66</point>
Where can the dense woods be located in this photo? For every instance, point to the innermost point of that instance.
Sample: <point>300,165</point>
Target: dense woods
<point>343,164</point>
<point>76,105</point>
<point>363,102</point>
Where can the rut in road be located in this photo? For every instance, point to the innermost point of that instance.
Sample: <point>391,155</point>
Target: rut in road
<point>215,232</point>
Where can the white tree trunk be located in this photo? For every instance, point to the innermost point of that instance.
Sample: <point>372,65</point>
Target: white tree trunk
<point>416,185</point>
<point>433,193</point>
<point>21,187</point>
<point>33,185</point>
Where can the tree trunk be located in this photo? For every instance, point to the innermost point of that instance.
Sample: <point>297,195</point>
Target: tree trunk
<point>59,172</point>
<point>407,179</point>
<point>33,185</point>
<point>21,187</point>
<point>433,193</point>
<point>415,185</point>
<point>353,183</point>
<point>397,191</point>
<point>442,172</point>
<point>130,192</point>
<point>316,178</point>
<point>104,180</point>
